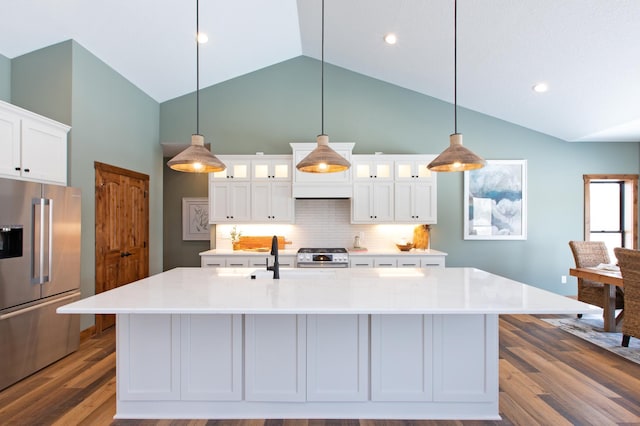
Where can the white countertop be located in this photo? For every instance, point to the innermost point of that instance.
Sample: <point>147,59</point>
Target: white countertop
<point>230,252</point>
<point>328,291</point>
<point>294,252</point>
<point>396,252</point>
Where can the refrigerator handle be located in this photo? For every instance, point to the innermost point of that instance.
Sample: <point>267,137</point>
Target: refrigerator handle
<point>38,248</point>
<point>48,277</point>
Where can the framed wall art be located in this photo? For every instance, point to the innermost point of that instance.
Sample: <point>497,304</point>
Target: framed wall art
<point>495,201</point>
<point>195,218</point>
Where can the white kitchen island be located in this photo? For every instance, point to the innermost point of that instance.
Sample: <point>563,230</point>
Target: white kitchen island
<point>340,343</point>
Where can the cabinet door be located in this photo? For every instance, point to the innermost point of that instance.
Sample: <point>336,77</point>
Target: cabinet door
<point>383,201</point>
<point>211,357</point>
<point>372,167</point>
<point>465,361</point>
<point>44,152</point>
<point>275,357</point>
<point>240,201</point>
<point>219,207</point>
<point>148,357</point>
<point>409,262</point>
<point>236,262</point>
<point>432,261</point>
<point>385,262</point>
<point>229,202</point>
<point>401,357</point>
<point>360,262</point>
<point>372,202</point>
<point>425,202</point>
<point>414,168</point>
<point>281,202</point>
<point>9,144</point>
<point>261,201</point>
<point>403,202</point>
<point>337,357</point>
<point>212,261</point>
<point>362,203</point>
<point>271,202</point>
<point>415,202</point>
<point>238,169</point>
<point>270,168</point>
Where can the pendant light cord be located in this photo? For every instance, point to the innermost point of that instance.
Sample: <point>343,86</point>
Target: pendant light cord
<point>322,75</point>
<point>197,68</point>
<point>455,66</point>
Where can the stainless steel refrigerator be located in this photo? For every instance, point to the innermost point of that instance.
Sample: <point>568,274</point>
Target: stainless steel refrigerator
<point>39,271</point>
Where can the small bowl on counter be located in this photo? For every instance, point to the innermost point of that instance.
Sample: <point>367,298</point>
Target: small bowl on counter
<point>404,246</point>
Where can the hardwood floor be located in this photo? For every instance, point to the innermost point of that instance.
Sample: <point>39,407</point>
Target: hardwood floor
<point>547,377</point>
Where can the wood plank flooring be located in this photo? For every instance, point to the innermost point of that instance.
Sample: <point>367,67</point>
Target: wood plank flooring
<point>547,377</point>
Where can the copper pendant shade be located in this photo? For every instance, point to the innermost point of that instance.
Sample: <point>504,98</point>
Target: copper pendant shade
<point>456,158</point>
<point>323,159</point>
<point>196,158</point>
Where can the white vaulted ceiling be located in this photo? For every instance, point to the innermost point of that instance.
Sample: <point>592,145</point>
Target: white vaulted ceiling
<point>588,51</point>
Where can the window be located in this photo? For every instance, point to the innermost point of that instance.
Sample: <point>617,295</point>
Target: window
<point>611,210</point>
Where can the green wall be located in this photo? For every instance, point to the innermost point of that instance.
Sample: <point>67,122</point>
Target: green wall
<point>41,81</point>
<point>112,122</point>
<point>267,109</point>
<point>177,185</point>
<point>5,79</point>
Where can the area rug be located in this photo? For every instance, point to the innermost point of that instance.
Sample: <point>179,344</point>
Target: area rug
<point>590,328</point>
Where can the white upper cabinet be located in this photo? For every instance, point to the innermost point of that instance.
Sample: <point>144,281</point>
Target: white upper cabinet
<point>416,194</point>
<point>271,168</point>
<point>372,202</point>
<point>393,189</point>
<point>10,143</point>
<point>368,167</point>
<point>229,202</point>
<point>253,189</point>
<point>415,202</point>
<point>271,202</point>
<point>412,167</point>
<point>238,168</point>
<point>33,147</point>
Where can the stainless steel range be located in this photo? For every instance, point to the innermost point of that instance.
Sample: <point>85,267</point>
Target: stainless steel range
<point>322,258</point>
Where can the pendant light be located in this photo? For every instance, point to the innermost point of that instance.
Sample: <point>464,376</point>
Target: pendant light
<point>196,158</point>
<point>456,158</point>
<point>323,159</point>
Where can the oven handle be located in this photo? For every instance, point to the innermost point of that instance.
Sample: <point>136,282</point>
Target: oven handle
<point>322,265</point>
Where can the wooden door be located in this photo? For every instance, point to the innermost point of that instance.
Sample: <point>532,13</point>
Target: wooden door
<point>122,230</point>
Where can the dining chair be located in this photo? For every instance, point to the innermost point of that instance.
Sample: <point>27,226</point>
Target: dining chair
<point>629,262</point>
<point>589,254</point>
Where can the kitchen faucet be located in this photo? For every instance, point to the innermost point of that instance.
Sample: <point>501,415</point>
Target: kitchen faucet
<point>276,264</point>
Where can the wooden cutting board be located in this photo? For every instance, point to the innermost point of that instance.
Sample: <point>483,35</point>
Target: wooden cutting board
<point>254,243</point>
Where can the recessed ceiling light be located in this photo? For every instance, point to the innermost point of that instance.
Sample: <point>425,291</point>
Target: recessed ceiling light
<point>390,38</point>
<point>202,37</point>
<point>540,87</point>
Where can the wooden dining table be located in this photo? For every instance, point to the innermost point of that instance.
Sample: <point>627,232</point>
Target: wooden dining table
<point>610,280</point>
